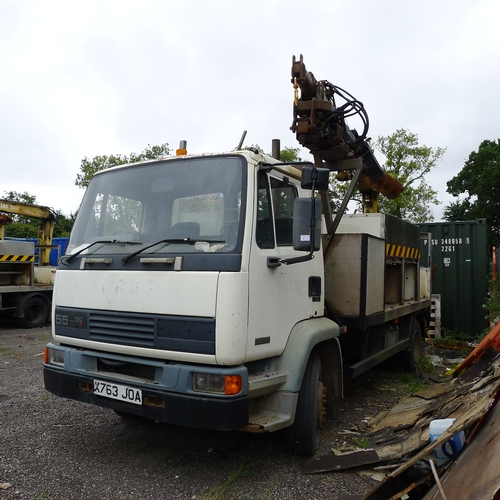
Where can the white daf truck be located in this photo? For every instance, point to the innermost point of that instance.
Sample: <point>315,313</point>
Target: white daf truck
<point>208,291</point>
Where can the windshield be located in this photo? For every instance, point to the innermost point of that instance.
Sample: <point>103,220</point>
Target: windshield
<point>181,201</point>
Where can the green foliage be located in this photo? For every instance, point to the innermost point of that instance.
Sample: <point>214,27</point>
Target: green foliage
<point>27,227</point>
<point>218,492</point>
<point>290,155</point>
<point>63,224</point>
<point>409,162</point>
<point>21,226</point>
<point>361,442</point>
<point>89,167</point>
<point>410,382</point>
<point>455,336</point>
<point>425,366</point>
<point>478,183</point>
<point>254,147</point>
<point>287,154</point>
<point>492,305</point>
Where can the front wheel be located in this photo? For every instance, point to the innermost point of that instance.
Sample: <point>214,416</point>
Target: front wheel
<point>303,434</point>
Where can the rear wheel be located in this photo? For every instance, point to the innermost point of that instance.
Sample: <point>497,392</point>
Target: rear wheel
<point>412,356</point>
<point>303,434</point>
<point>35,313</point>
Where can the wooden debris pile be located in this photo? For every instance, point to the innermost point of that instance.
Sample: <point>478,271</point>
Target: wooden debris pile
<point>402,435</point>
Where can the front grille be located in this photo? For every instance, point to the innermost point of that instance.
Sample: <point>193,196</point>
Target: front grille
<point>153,331</point>
<point>130,329</point>
<point>133,370</point>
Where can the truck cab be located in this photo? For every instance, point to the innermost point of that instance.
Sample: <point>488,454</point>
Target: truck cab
<point>171,302</point>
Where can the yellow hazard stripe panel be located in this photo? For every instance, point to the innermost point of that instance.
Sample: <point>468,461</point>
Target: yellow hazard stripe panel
<point>402,251</point>
<point>17,258</point>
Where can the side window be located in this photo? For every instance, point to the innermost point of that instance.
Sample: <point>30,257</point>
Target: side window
<point>264,232</point>
<point>283,195</point>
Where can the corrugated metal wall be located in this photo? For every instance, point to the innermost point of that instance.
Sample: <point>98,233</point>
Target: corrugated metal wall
<point>460,252</point>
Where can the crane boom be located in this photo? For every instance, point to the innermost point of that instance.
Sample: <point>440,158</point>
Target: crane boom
<point>320,126</point>
<point>47,219</point>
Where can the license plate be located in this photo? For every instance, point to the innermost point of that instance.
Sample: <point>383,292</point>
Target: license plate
<point>119,392</point>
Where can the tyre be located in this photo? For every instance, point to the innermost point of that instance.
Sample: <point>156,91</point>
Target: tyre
<point>412,356</point>
<point>36,313</point>
<point>303,435</point>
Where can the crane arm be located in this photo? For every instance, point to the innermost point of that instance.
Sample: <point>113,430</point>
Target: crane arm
<point>45,229</point>
<point>320,126</point>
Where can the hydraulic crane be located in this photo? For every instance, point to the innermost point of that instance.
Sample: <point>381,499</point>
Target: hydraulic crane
<point>47,219</point>
<point>320,126</point>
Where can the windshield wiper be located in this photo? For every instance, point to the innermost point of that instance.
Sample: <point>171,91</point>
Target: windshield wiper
<point>189,241</point>
<point>66,260</point>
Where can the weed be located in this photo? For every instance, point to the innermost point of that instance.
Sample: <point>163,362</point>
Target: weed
<point>269,492</point>
<point>424,365</point>
<point>410,382</point>
<point>361,442</point>
<point>43,496</point>
<point>45,397</point>
<point>455,336</point>
<point>217,492</point>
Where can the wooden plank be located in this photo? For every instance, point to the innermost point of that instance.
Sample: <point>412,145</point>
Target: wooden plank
<point>463,422</point>
<point>404,445</point>
<point>403,415</point>
<point>328,463</point>
<point>435,391</point>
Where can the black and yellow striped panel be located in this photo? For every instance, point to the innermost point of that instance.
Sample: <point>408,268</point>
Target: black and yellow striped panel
<point>402,251</point>
<point>17,258</point>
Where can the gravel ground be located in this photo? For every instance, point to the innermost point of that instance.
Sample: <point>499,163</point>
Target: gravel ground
<point>57,449</point>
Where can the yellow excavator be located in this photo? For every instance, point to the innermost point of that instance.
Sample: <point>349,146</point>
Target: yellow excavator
<point>26,285</point>
<point>47,219</point>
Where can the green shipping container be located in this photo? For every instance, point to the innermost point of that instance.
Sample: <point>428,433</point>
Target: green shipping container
<point>460,254</point>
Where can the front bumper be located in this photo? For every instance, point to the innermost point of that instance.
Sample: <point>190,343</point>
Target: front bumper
<point>179,409</point>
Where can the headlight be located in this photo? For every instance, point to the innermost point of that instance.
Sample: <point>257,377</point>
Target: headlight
<point>218,384</point>
<point>53,357</point>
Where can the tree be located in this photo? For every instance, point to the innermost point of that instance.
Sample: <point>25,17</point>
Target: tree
<point>64,224</point>
<point>287,154</point>
<point>21,226</point>
<point>409,162</point>
<point>290,155</point>
<point>27,227</point>
<point>479,183</point>
<point>89,167</point>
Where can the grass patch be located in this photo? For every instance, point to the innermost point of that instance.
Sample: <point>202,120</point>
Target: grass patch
<point>218,492</point>
<point>425,366</point>
<point>410,382</point>
<point>361,442</point>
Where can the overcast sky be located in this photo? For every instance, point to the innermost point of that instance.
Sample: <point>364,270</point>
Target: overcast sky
<point>79,79</point>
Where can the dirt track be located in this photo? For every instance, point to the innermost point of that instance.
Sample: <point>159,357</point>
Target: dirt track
<point>56,449</point>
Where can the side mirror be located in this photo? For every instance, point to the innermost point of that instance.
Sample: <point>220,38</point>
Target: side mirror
<point>320,175</point>
<point>306,226</point>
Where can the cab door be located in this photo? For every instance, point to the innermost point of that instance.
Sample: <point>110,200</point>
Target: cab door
<point>278,296</point>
